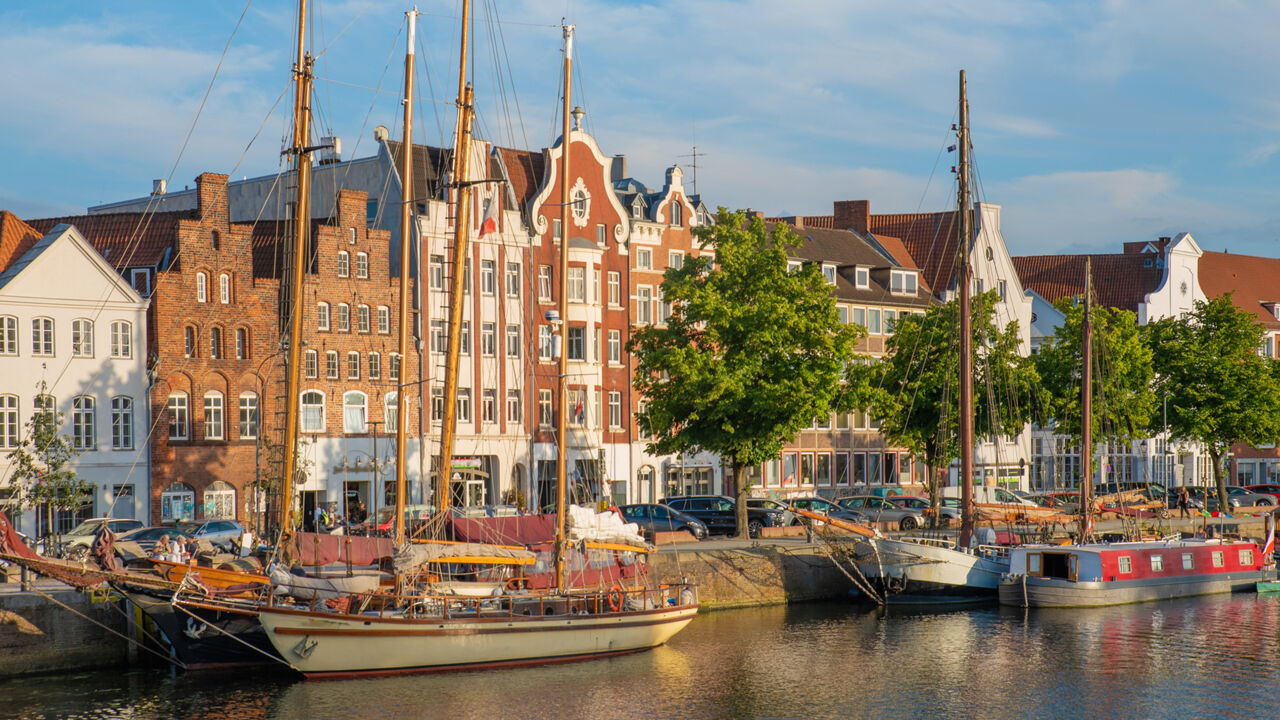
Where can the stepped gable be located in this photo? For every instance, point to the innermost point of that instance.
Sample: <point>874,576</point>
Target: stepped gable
<point>125,239</point>
<point>1255,282</point>
<point>270,242</point>
<point>1119,280</point>
<point>16,238</point>
<point>525,168</point>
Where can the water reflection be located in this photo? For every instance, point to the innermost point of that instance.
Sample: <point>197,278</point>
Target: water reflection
<point>1209,657</point>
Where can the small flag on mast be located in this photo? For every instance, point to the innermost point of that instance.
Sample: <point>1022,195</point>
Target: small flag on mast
<point>951,147</point>
<point>490,222</point>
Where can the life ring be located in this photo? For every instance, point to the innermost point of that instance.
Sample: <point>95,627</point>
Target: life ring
<point>615,598</point>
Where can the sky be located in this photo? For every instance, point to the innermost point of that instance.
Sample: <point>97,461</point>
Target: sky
<point>1093,123</point>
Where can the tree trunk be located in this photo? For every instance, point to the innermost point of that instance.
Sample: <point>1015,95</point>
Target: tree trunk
<point>1220,480</point>
<point>935,492</point>
<point>740,488</point>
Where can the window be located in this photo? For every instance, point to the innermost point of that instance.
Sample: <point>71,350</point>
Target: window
<point>8,422</point>
<point>595,286</point>
<point>464,338</point>
<point>220,502</point>
<point>435,272</point>
<point>873,321</point>
<point>353,366</point>
<point>595,344</point>
<point>577,343</point>
<point>84,435</point>
<point>545,418</point>
<point>248,415</point>
<point>394,369</point>
<point>615,346</point>
<point>1246,557</point>
<point>890,319</point>
<point>577,284</point>
<point>514,414</point>
<point>322,316</point>
<point>202,287</point>
<point>82,338</point>
<point>8,335</point>
<point>354,405</point>
<point>122,423</point>
<point>1000,288</point>
<point>437,404</point>
<point>1217,558</point>
<point>862,278</point>
<point>544,342</point>
<point>488,339</point>
<point>439,336</point>
<point>224,288</point>
<point>615,288</point>
<point>615,409</point>
<point>488,281</point>
<point>177,408</point>
<point>362,318</point>
<point>555,228</point>
<point>121,339</point>
<point>677,215</point>
<point>513,280</point>
<point>1125,564</point>
<point>242,343</point>
<point>1188,561</point>
<point>1157,563</point>
<point>312,416</point>
<point>362,264</point>
<point>664,308</point>
<point>489,406</point>
<point>829,274</point>
<point>600,235</point>
<point>464,271</point>
<point>644,259</point>
<point>375,366</point>
<point>644,305</point>
<point>215,343</point>
<point>177,502</point>
<point>384,319</point>
<point>140,279</point>
<point>311,362</point>
<point>344,317</point>
<point>464,404</point>
<point>391,410</point>
<point>213,415</point>
<point>344,263</point>
<point>331,364</point>
<point>513,341</point>
<point>675,258</point>
<point>794,266</point>
<point>544,282</point>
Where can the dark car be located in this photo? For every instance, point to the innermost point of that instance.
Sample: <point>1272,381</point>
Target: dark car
<point>719,513</point>
<point>880,509</point>
<point>828,508</point>
<point>147,537</point>
<point>922,506</point>
<point>654,518</point>
<point>1267,489</point>
<point>222,533</point>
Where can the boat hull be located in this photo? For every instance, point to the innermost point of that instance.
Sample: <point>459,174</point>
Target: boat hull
<point>331,645</point>
<point>216,637</point>
<point>914,572</point>
<point>1032,591</point>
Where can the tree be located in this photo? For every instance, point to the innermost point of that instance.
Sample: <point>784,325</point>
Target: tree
<point>1124,404</point>
<point>915,390</point>
<point>752,352</point>
<point>1220,390</point>
<point>40,467</point>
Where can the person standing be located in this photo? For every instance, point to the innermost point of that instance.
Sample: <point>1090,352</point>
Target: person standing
<point>1184,502</point>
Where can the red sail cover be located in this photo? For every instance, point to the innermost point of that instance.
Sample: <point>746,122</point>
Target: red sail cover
<point>11,543</point>
<point>522,530</point>
<point>325,549</point>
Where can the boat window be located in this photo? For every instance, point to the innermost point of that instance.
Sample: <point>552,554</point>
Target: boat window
<point>1187,562</point>
<point>1034,563</point>
<point>1057,565</point>
<point>1157,563</point>
<point>1126,564</point>
<point>1217,558</point>
<point>1246,557</point>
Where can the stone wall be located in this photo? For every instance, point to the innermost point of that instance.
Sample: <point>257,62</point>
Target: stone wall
<point>763,575</point>
<point>38,636</point>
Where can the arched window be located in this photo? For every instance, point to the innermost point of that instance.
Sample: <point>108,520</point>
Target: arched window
<point>248,415</point>
<point>84,431</point>
<point>220,501</point>
<point>177,502</point>
<point>215,343</point>
<point>178,418</point>
<point>322,316</point>
<point>362,265</point>
<point>344,317</point>
<point>390,408</point>
<point>677,213</point>
<point>82,338</point>
<point>242,344</point>
<point>344,263</point>
<point>9,422</point>
<point>362,318</point>
<point>9,333</point>
<point>224,288</point>
<point>189,341</point>
<point>312,414</point>
<point>355,412</point>
<point>202,287</point>
<point>213,415</point>
<point>122,423</point>
<point>121,339</point>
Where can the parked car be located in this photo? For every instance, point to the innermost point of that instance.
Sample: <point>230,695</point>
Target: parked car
<point>989,495</point>
<point>788,517</point>
<point>75,544</point>
<point>880,509</point>
<point>654,518</point>
<point>921,505</point>
<point>1243,497</point>
<point>719,513</point>
<point>221,533</point>
<point>1064,501</point>
<point>1268,489</point>
<point>147,537</point>
<point>828,508</point>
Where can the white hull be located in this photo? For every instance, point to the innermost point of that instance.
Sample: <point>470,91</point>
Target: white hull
<point>328,644</point>
<point>929,570</point>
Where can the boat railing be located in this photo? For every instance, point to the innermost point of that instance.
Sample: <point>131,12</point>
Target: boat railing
<point>995,552</point>
<point>941,542</point>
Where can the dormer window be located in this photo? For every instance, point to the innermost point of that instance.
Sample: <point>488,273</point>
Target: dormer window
<point>829,272</point>
<point>637,208</point>
<point>1275,309</point>
<point>677,213</point>
<point>793,266</point>
<point>902,283</point>
<point>862,278</point>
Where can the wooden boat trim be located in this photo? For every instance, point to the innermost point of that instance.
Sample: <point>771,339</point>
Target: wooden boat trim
<point>446,631</point>
<point>493,619</point>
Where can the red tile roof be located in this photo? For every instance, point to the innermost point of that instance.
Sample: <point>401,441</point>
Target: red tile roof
<point>16,238</point>
<point>125,239</point>
<point>928,237</point>
<point>526,169</point>
<point>1254,280</point>
<point>897,249</point>
<point>1119,281</point>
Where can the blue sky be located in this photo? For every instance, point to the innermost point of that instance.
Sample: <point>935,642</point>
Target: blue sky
<point>1094,123</point>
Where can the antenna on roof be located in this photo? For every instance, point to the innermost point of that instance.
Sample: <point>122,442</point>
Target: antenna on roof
<point>694,155</point>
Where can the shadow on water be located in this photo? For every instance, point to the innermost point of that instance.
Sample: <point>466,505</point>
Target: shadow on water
<point>1204,657</point>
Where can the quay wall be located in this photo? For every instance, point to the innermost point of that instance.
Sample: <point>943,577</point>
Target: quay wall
<point>39,636</point>
<point>758,575</point>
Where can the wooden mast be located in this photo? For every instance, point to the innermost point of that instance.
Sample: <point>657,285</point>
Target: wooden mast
<point>301,152</point>
<point>1086,410</point>
<point>562,403</point>
<point>966,332</point>
<point>461,243</point>
<point>406,210</point>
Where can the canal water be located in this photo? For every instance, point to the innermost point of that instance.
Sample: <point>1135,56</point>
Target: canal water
<point>1208,657</point>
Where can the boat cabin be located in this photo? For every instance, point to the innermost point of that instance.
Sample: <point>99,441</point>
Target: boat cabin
<point>1135,561</point>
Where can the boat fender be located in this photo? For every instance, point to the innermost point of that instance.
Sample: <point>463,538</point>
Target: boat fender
<point>615,598</point>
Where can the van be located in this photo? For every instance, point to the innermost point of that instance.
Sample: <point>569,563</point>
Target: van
<point>989,495</point>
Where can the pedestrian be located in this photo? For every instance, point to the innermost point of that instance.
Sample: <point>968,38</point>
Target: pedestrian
<point>1184,502</point>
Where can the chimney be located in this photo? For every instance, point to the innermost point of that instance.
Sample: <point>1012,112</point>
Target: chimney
<point>852,215</point>
<point>211,194</point>
<point>619,169</point>
<point>159,187</point>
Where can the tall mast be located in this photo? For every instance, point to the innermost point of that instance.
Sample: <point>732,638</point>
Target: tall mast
<point>1086,410</point>
<point>461,242</point>
<point>966,331</point>
<point>301,230</point>
<point>562,407</point>
<point>406,210</point>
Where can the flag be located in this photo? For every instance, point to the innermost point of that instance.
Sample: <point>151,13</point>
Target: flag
<point>951,148</point>
<point>490,222</point>
<point>1270,545</point>
<point>577,410</point>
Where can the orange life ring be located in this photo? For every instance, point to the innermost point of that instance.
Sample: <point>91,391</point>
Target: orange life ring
<point>615,598</point>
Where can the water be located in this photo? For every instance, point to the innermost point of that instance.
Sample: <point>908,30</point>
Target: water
<point>1209,657</point>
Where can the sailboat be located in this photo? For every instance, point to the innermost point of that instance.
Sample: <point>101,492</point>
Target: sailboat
<point>496,614</point>
<point>943,570</point>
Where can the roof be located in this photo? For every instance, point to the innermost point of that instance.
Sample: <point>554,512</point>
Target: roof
<point>28,256</point>
<point>929,238</point>
<point>125,239</point>
<point>429,165</point>
<point>16,237</point>
<point>525,168</point>
<point>846,248</point>
<point>895,249</point>
<point>1119,280</point>
<point>1254,280</point>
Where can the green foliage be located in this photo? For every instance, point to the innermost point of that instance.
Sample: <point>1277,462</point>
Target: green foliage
<point>1124,405</point>
<point>40,467</point>
<point>751,354</point>
<point>1220,391</point>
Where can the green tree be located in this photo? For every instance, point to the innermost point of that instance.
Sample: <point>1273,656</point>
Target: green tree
<point>752,353</point>
<point>40,467</point>
<point>1220,390</point>
<point>1124,404</point>
<point>915,390</point>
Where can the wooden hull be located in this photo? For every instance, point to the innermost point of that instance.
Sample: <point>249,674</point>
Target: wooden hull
<point>914,572</point>
<point>1024,591</point>
<point>331,645</point>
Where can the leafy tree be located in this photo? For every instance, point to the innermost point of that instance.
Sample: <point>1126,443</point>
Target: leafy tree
<point>40,468</point>
<point>1220,390</point>
<point>915,390</point>
<point>752,353</point>
<point>1124,405</point>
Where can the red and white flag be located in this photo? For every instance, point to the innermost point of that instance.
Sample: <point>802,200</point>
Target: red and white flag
<point>490,222</point>
<point>1270,545</point>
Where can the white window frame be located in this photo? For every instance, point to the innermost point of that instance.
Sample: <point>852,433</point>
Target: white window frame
<point>122,422</point>
<point>577,284</point>
<point>353,365</point>
<point>513,341</point>
<point>8,335</point>
<point>862,278</point>
<point>384,320</point>
<point>307,423</point>
<point>615,288</point>
<point>248,415</point>
<point>514,411</point>
<point>644,259</point>
<point>489,406</point>
<point>675,258</point>
<point>488,278</point>
<point>82,338</point>
<point>344,264</point>
<point>615,347</point>
<point>224,289</point>
<point>344,317</point>
<point>362,265</point>
<point>435,272</point>
<point>10,434</point>
<point>84,423</point>
<point>311,363</point>
<point>615,409</point>
<point>375,366</point>
<point>42,329</point>
<point>331,369</point>
<point>214,416</point>
<point>513,280</point>
<point>355,415</point>
<point>202,287</point>
<point>322,316</point>
<point>644,305</point>
<point>489,339</point>
<point>179,407</point>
